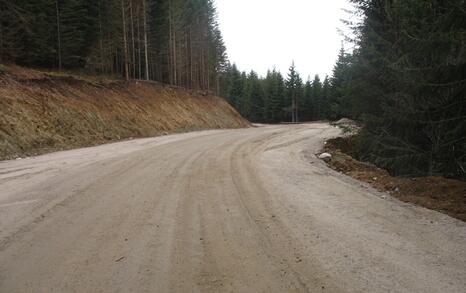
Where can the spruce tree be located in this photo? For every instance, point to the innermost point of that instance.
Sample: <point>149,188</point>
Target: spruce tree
<point>407,85</point>
<point>236,87</point>
<point>243,104</point>
<point>274,96</point>
<point>78,29</point>
<point>255,97</point>
<point>294,87</point>
<point>317,101</point>
<point>339,99</point>
<point>307,109</point>
<point>325,98</point>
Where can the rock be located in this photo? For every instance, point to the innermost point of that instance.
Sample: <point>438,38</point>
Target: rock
<point>345,121</point>
<point>326,157</point>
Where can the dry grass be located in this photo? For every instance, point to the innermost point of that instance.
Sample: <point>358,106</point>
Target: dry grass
<point>42,112</point>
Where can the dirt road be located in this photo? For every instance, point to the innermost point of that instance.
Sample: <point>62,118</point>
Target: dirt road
<point>248,210</point>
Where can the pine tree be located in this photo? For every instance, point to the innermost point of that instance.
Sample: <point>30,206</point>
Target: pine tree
<point>407,83</point>
<point>236,87</point>
<point>243,104</point>
<point>325,98</point>
<point>255,96</point>
<point>294,86</point>
<point>307,109</point>
<point>77,30</point>
<point>339,99</point>
<point>274,96</point>
<point>317,101</point>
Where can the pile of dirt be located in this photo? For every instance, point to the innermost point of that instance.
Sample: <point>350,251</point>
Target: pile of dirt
<point>41,112</point>
<point>349,126</point>
<point>344,144</point>
<point>437,193</point>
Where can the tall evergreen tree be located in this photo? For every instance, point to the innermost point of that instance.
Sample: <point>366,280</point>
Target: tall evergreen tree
<point>274,96</point>
<point>255,95</point>
<point>236,87</point>
<point>407,83</point>
<point>243,104</point>
<point>339,99</point>
<point>325,96</point>
<point>307,107</point>
<point>317,100</point>
<point>78,29</point>
<point>294,87</point>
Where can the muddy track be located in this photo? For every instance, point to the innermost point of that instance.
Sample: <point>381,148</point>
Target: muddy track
<point>248,210</point>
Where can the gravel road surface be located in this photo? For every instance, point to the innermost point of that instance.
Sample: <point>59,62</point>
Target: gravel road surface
<point>248,210</point>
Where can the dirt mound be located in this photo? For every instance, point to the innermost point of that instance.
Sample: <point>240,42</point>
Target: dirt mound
<point>349,126</point>
<point>436,193</point>
<point>42,112</point>
<point>344,144</point>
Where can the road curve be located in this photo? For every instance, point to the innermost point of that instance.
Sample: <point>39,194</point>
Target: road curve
<point>248,210</point>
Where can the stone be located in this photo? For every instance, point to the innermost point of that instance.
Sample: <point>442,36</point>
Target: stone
<point>326,157</point>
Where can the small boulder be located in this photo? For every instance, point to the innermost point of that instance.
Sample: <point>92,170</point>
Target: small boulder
<point>326,157</point>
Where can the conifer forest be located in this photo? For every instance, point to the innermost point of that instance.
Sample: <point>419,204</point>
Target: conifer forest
<point>172,41</point>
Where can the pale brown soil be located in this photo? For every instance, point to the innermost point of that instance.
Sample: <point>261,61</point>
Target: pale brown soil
<point>246,210</point>
<point>42,112</point>
<point>437,193</point>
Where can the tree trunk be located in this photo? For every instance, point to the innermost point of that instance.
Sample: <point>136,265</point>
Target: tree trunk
<point>1,40</point>
<point>125,45</point>
<point>101,37</point>
<point>170,44</point>
<point>138,24</point>
<point>297,109</point>
<point>191,81</point>
<point>133,47</point>
<point>58,35</point>
<point>175,75</point>
<point>208,68</point>
<point>146,51</point>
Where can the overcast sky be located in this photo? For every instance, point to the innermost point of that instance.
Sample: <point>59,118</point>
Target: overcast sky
<point>261,34</point>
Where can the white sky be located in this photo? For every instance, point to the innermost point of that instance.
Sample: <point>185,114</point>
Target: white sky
<point>261,34</point>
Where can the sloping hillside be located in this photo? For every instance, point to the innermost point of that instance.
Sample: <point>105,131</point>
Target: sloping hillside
<point>41,112</point>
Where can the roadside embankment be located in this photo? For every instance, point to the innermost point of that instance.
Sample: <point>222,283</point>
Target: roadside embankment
<point>436,193</point>
<point>42,112</point>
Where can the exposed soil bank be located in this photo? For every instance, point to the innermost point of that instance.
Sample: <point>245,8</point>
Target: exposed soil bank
<point>41,112</point>
<point>437,193</point>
